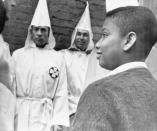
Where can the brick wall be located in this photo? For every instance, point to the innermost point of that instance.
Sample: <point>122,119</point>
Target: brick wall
<point>64,16</point>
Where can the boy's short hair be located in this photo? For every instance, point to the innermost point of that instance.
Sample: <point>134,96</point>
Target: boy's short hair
<point>138,19</point>
<point>3,16</point>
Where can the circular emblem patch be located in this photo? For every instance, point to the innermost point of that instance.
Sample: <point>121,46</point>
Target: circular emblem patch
<point>54,72</point>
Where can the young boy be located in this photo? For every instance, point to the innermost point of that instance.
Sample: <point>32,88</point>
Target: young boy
<point>126,100</point>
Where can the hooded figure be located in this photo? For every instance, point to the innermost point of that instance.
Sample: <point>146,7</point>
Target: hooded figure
<point>77,58</point>
<point>41,18</point>
<point>40,81</point>
<point>84,24</point>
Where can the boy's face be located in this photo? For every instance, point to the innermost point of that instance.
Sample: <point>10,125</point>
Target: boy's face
<point>109,46</point>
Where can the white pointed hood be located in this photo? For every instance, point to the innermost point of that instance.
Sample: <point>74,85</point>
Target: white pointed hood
<point>41,18</point>
<point>113,4</point>
<point>84,23</point>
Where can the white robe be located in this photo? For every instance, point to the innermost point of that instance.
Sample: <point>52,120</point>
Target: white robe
<point>76,65</point>
<point>41,98</point>
<point>7,109</point>
<point>82,70</point>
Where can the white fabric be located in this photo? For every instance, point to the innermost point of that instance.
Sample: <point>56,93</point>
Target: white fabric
<point>78,62</point>
<point>84,23</point>
<point>41,15</point>
<point>5,47</point>
<point>7,109</point>
<point>151,61</point>
<point>76,65</point>
<point>41,18</point>
<point>5,63</point>
<point>113,4</point>
<point>42,100</point>
<point>82,69</point>
<point>127,66</point>
<point>7,100</point>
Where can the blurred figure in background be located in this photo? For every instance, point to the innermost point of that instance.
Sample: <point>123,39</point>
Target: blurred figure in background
<point>7,99</point>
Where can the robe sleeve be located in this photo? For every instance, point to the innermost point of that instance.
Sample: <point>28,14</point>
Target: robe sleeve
<point>61,106</point>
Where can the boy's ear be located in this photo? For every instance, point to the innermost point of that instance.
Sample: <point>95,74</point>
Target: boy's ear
<point>129,41</point>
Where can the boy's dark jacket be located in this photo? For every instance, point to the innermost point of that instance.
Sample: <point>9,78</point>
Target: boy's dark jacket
<point>124,102</point>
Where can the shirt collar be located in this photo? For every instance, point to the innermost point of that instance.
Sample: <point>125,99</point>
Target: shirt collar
<point>127,66</point>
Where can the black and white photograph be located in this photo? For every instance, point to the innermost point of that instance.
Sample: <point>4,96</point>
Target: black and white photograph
<point>78,65</point>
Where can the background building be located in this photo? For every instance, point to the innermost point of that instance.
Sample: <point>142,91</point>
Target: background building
<point>64,15</point>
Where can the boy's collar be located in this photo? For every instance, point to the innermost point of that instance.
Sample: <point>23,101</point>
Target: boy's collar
<point>128,66</point>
